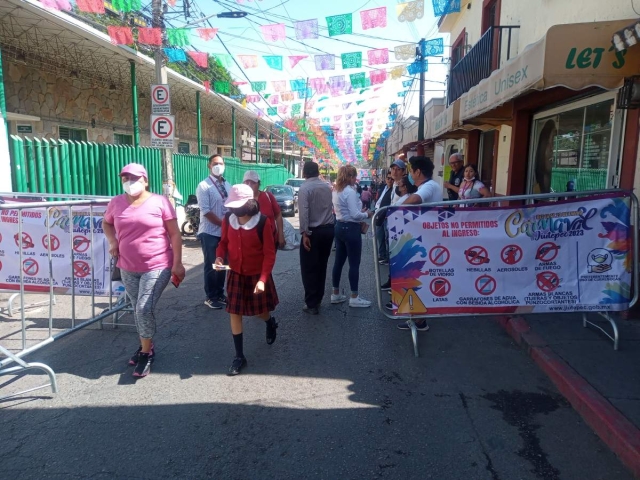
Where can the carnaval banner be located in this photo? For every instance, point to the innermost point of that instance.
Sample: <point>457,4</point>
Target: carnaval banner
<point>568,256</point>
<point>65,236</point>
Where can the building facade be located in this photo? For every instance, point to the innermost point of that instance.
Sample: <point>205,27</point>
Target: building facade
<point>535,95</point>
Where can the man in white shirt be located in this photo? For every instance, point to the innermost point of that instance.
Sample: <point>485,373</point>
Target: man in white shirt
<point>429,191</point>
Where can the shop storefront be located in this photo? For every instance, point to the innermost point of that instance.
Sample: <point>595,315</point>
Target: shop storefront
<point>576,146</point>
<point>559,96</point>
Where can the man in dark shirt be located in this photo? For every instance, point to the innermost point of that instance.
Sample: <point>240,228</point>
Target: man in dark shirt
<point>317,229</point>
<point>456,176</point>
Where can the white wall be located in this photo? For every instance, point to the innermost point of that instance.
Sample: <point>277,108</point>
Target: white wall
<point>535,17</point>
<point>502,163</point>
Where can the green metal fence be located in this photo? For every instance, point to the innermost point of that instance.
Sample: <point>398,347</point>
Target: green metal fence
<point>85,168</point>
<point>586,178</point>
<point>190,170</point>
<point>77,168</point>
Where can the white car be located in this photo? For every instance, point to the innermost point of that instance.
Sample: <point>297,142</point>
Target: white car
<point>295,184</point>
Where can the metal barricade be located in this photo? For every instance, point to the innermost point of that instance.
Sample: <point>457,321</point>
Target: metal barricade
<point>527,200</point>
<point>22,207</point>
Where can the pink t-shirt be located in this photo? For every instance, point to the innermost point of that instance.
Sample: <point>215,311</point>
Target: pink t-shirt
<point>143,240</point>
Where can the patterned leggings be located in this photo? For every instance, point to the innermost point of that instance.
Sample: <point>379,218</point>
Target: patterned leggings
<point>144,290</point>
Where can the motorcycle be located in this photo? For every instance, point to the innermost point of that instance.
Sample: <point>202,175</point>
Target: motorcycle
<point>192,219</point>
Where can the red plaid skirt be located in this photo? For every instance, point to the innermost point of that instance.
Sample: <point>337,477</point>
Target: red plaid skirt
<point>242,301</point>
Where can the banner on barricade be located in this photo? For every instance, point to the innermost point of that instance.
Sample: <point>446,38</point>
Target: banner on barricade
<point>70,243</point>
<point>569,256</point>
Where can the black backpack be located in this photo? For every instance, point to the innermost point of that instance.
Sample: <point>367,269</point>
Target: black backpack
<point>260,226</point>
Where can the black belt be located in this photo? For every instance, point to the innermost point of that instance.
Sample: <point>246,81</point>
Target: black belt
<point>326,225</point>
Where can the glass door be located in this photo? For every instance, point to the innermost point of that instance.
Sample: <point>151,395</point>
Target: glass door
<point>576,147</point>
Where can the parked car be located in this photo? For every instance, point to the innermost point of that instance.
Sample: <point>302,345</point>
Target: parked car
<point>286,198</point>
<point>295,184</point>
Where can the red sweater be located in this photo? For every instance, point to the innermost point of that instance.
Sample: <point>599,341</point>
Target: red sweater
<point>246,254</point>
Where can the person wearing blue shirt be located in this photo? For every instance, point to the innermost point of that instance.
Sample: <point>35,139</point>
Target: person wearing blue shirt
<point>212,193</point>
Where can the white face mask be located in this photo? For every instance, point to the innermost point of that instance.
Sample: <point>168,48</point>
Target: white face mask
<point>217,170</point>
<point>133,188</point>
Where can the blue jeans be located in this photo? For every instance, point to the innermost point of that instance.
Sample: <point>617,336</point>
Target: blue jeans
<point>348,246</point>
<point>381,238</point>
<point>213,279</point>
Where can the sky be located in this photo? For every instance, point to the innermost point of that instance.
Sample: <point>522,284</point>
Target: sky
<point>243,37</point>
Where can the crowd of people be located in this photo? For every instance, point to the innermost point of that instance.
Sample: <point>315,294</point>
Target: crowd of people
<point>241,229</point>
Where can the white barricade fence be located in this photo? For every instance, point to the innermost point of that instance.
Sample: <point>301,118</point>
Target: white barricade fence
<point>574,255</point>
<point>56,247</point>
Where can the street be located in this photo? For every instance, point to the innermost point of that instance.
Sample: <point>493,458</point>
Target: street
<point>339,395</point>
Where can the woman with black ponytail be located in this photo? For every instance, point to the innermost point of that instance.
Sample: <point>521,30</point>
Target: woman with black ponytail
<point>248,243</point>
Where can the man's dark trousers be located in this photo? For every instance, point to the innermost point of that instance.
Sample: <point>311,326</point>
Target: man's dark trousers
<point>313,264</point>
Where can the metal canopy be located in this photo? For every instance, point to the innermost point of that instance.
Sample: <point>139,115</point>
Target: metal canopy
<point>55,42</point>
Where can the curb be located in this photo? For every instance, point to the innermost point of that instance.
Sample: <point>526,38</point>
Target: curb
<point>613,428</point>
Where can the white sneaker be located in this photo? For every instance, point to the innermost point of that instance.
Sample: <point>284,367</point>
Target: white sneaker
<point>338,298</point>
<point>359,302</point>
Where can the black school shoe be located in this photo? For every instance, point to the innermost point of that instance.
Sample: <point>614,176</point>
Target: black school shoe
<point>238,364</point>
<point>271,330</point>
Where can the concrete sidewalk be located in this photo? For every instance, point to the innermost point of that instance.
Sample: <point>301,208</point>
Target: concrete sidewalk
<point>599,382</point>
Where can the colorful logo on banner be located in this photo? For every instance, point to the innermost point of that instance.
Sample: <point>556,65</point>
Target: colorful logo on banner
<point>573,256</point>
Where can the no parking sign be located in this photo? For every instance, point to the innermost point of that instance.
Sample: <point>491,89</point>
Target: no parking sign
<point>160,100</point>
<point>162,131</point>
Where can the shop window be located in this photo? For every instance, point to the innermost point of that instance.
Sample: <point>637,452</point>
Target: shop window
<point>122,139</point>
<point>572,149</point>
<point>183,147</point>
<point>75,134</point>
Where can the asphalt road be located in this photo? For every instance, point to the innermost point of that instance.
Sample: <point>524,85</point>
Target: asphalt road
<point>338,396</point>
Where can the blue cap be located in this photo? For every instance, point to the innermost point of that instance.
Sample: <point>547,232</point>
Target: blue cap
<point>400,164</point>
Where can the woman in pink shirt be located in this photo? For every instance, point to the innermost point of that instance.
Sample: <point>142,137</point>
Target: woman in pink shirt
<point>143,235</point>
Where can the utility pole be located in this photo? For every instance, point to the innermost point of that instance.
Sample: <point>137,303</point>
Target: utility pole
<point>271,145</point>
<point>161,79</point>
<point>304,126</point>
<point>420,51</point>
<point>257,143</point>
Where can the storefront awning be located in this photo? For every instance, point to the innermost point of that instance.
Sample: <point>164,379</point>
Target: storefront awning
<point>576,56</point>
<point>445,120</point>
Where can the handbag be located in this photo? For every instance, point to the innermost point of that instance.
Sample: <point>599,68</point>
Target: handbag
<point>364,228</point>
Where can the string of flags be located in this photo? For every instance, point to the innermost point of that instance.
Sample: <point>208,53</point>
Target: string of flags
<point>352,135</point>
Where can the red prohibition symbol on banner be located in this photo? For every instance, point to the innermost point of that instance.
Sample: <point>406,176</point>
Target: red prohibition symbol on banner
<point>30,267</point>
<point>486,285</point>
<point>27,242</point>
<point>477,255</point>
<point>511,254</point>
<point>81,244</point>
<point>547,252</point>
<point>440,287</point>
<point>439,255</point>
<point>55,242</point>
<point>81,269</point>
<point>547,281</point>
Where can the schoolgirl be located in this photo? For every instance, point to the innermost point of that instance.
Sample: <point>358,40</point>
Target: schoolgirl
<point>248,244</point>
